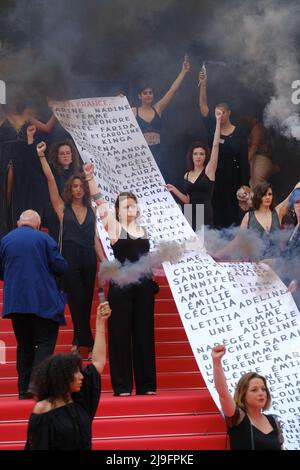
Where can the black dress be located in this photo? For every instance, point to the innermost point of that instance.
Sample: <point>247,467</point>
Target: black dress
<point>269,243</point>
<point>29,190</point>
<point>200,192</point>
<point>245,436</point>
<point>131,325</point>
<point>68,427</point>
<point>233,171</point>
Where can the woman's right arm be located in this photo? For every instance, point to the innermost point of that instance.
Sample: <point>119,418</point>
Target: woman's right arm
<point>185,198</point>
<point>203,93</point>
<point>111,225</point>
<point>56,200</point>
<point>227,402</point>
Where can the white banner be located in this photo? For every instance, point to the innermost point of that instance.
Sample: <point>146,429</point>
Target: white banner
<point>242,305</point>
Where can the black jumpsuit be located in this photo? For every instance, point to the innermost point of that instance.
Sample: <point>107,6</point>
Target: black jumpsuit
<point>131,325</point>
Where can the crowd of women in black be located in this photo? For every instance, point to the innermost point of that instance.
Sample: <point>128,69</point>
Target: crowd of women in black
<point>56,184</point>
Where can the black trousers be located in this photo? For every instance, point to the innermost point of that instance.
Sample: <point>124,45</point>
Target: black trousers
<point>79,283</point>
<point>131,337</point>
<point>36,339</point>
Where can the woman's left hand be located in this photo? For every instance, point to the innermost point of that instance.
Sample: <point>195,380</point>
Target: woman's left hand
<point>88,169</point>
<point>185,67</point>
<point>292,286</point>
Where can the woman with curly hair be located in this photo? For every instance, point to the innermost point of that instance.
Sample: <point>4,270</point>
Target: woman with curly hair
<point>68,397</point>
<point>80,245</point>
<point>248,427</point>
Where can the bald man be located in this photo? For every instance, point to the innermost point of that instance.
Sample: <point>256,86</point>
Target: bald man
<point>29,262</point>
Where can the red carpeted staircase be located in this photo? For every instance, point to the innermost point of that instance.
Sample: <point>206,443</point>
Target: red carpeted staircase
<point>181,416</point>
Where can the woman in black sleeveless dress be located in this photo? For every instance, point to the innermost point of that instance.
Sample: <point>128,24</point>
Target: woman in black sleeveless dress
<point>248,427</point>
<point>148,116</point>
<point>79,246</point>
<point>131,326</point>
<point>200,178</point>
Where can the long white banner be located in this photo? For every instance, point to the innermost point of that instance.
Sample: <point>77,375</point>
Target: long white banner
<point>243,305</point>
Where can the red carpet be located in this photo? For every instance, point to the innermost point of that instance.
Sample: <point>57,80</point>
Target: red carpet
<point>181,416</point>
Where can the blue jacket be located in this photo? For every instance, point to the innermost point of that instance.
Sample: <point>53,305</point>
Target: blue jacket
<point>29,260</point>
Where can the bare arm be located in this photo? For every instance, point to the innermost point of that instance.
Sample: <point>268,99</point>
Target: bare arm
<point>99,349</point>
<point>41,126</point>
<point>165,100</point>
<point>204,109</point>
<point>185,198</point>
<point>111,225</point>
<point>98,248</point>
<point>255,138</point>
<point>211,167</point>
<point>227,402</point>
<point>282,208</point>
<point>56,200</point>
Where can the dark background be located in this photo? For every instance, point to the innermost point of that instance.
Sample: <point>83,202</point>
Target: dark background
<point>76,48</point>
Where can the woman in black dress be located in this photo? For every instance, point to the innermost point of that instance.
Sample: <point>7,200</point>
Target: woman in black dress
<point>248,427</point>
<point>80,245</point>
<point>200,178</point>
<point>68,397</point>
<point>233,167</point>
<point>21,180</point>
<point>131,326</point>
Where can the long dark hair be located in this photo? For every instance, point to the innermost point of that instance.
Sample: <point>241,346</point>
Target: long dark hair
<point>189,155</point>
<point>75,165</point>
<point>53,376</point>
<point>67,193</point>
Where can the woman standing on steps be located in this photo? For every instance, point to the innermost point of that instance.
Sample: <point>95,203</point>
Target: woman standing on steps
<point>68,397</point>
<point>200,178</point>
<point>80,245</point>
<point>131,326</point>
<point>248,427</point>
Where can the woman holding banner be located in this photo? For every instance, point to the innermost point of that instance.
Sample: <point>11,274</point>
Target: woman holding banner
<point>80,245</point>
<point>131,326</point>
<point>248,427</point>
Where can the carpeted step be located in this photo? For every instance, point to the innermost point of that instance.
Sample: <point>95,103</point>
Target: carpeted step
<point>172,380</point>
<point>176,364</point>
<point>165,402</point>
<point>65,336</point>
<point>145,426</point>
<point>190,442</point>
<point>163,349</point>
<point>161,321</point>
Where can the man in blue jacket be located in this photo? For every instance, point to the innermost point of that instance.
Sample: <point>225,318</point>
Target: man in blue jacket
<point>29,261</point>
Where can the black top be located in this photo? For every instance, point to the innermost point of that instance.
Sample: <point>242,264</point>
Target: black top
<point>201,192</point>
<point>128,248</point>
<point>233,167</point>
<point>81,234</point>
<point>153,126</point>
<point>68,427</point>
<point>240,434</point>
